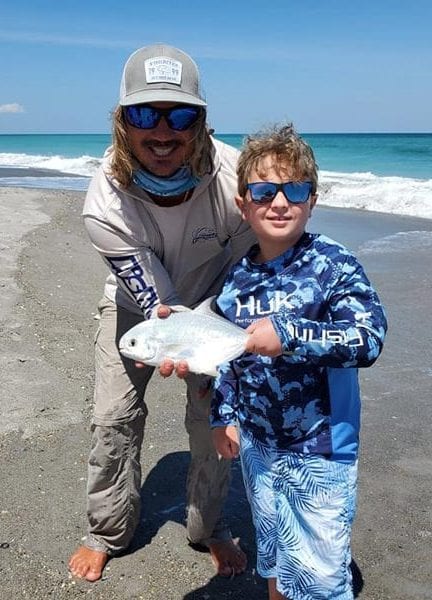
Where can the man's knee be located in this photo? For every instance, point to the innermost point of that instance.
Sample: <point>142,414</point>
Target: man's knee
<point>117,442</point>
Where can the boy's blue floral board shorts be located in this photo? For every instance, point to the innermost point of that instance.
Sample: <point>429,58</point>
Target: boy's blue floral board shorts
<point>303,506</point>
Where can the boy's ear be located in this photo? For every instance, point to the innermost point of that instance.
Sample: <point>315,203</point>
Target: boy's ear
<point>313,201</point>
<point>241,206</point>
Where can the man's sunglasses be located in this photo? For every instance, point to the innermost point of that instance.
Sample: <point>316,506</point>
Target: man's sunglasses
<point>297,192</point>
<point>145,116</point>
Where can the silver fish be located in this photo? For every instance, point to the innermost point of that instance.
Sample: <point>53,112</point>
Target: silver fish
<point>201,337</point>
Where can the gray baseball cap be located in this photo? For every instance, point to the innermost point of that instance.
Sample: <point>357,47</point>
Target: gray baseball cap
<point>160,73</point>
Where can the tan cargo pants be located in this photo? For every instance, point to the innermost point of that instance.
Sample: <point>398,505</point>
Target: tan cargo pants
<point>114,471</point>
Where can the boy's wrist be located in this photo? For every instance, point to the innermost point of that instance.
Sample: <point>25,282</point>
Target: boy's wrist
<point>216,423</point>
<point>285,332</point>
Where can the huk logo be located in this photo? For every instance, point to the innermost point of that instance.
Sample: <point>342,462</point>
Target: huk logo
<point>258,307</point>
<point>202,234</point>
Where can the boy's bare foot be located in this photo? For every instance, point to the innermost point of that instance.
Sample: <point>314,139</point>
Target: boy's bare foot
<point>228,558</point>
<point>87,563</point>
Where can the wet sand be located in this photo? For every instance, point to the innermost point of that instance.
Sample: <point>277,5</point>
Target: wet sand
<point>51,280</point>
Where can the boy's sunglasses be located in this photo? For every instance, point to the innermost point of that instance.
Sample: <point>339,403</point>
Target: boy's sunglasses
<point>297,192</point>
<point>145,116</point>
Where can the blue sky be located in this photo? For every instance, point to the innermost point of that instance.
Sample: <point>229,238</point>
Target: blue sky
<point>327,65</point>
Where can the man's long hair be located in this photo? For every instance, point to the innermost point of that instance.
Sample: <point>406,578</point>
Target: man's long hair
<point>122,162</point>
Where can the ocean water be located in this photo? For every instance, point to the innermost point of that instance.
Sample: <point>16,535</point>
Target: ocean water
<point>389,173</point>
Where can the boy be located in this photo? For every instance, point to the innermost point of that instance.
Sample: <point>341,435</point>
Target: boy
<point>314,319</point>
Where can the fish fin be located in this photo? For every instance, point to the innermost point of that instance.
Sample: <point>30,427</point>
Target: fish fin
<point>174,308</point>
<point>209,369</point>
<point>205,307</point>
<point>179,308</point>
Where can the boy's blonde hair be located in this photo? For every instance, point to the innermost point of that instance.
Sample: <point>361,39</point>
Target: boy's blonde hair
<point>122,163</point>
<point>287,149</point>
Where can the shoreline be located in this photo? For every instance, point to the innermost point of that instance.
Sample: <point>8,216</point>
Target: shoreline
<point>51,282</point>
<point>34,172</point>
<point>416,203</point>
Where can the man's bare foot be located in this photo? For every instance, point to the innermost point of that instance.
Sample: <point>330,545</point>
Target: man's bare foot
<point>228,558</point>
<point>87,563</point>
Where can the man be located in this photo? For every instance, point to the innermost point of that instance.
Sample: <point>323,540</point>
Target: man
<point>161,213</point>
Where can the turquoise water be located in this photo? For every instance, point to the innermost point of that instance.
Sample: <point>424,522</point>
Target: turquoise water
<point>403,155</point>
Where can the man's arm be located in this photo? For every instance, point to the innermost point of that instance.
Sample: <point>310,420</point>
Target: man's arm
<point>138,270</point>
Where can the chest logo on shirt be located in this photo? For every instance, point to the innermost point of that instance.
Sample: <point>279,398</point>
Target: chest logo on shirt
<point>201,234</point>
<point>256,306</point>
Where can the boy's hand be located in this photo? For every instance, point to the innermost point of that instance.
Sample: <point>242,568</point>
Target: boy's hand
<point>226,441</point>
<point>263,339</point>
<point>167,368</point>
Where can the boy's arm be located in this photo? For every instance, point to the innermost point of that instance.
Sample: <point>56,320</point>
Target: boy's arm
<point>223,414</point>
<point>354,335</point>
<point>225,397</point>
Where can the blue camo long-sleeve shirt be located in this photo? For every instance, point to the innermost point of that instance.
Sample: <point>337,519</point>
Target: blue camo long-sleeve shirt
<point>330,322</point>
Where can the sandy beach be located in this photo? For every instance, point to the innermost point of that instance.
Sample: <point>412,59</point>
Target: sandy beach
<point>51,280</point>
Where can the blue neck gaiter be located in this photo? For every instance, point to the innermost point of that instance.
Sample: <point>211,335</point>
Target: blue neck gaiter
<point>174,185</point>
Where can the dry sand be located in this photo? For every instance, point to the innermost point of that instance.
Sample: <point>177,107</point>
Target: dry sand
<point>51,280</point>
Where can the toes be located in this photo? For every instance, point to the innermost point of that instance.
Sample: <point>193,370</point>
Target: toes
<point>77,569</point>
<point>85,572</point>
<point>228,558</point>
<point>238,566</point>
<point>74,567</point>
<point>93,575</point>
<point>225,570</point>
<point>87,564</point>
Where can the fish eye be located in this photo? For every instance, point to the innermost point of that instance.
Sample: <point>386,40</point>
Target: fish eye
<point>132,342</point>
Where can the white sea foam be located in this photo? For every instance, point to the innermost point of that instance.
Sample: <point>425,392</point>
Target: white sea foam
<point>83,165</point>
<point>365,191</point>
<point>394,195</point>
<point>403,241</point>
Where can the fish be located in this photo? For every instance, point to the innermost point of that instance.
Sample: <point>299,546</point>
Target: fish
<point>200,336</point>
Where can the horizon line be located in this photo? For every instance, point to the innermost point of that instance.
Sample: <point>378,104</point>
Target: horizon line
<point>233,133</point>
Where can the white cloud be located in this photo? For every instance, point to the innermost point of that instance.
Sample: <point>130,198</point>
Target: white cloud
<point>11,108</point>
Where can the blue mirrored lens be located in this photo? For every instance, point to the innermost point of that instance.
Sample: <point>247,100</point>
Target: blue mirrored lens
<point>297,192</point>
<point>143,117</point>
<point>265,191</point>
<point>262,192</point>
<point>181,119</point>
<point>148,117</point>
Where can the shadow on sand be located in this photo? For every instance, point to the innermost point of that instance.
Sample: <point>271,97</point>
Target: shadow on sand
<point>163,500</point>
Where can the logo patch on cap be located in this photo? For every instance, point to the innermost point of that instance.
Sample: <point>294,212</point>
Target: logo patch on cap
<point>161,69</point>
